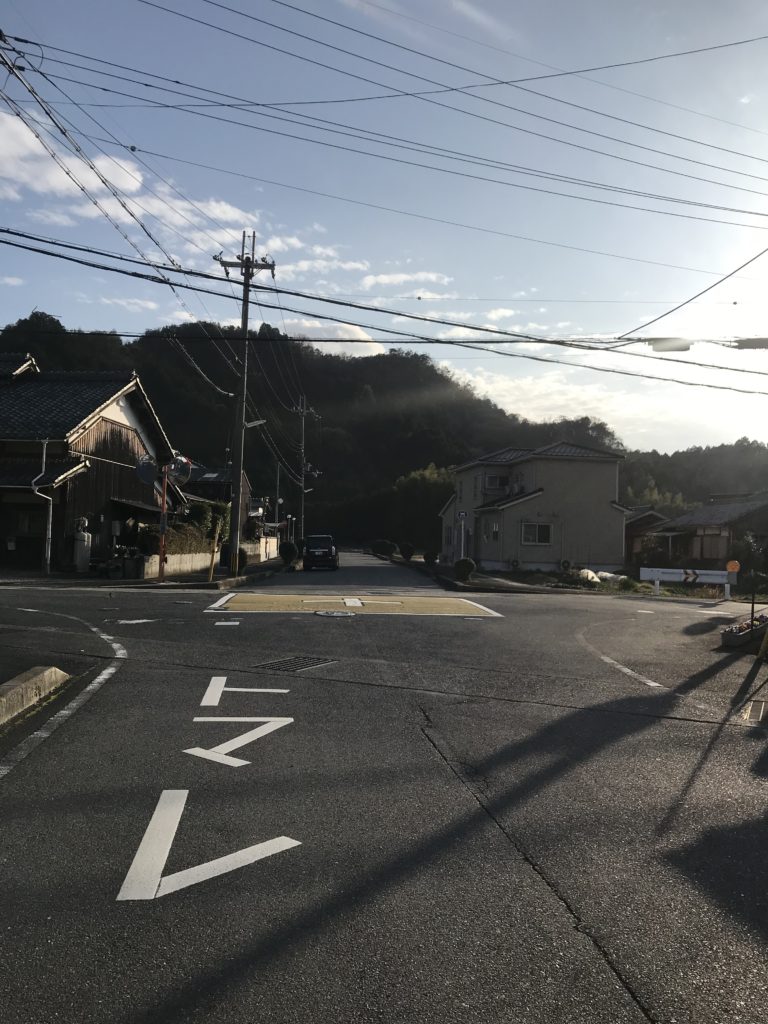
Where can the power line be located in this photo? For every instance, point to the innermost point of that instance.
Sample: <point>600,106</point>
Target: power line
<point>479,177</point>
<point>491,80</point>
<point>425,96</point>
<point>413,214</point>
<point>417,339</point>
<point>698,294</point>
<point>412,145</point>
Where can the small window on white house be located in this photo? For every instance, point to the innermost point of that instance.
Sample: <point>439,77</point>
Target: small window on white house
<point>449,535</point>
<point>537,533</point>
<point>496,483</point>
<point>485,532</point>
<point>495,531</point>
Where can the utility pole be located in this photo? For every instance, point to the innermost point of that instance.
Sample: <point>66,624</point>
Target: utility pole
<point>302,414</point>
<point>248,265</point>
<point>277,504</point>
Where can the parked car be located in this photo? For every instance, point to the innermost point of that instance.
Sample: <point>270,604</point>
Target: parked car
<point>320,551</point>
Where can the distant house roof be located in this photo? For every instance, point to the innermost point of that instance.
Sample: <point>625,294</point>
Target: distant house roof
<point>719,513</point>
<point>14,363</point>
<point>636,513</point>
<point>56,404</point>
<point>558,450</point>
<point>19,473</point>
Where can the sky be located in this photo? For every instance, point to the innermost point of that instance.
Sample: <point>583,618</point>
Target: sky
<point>256,125</point>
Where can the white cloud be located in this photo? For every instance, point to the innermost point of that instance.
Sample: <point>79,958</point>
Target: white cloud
<point>131,305</point>
<point>747,98</point>
<point>481,18</point>
<point>182,315</point>
<point>282,243</point>
<point>429,276</point>
<point>360,343</point>
<point>9,192</point>
<point>500,313</point>
<point>55,218</point>
<point>319,228</point>
<point>12,282</point>
<point>325,251</point>
<point>289,271</point>
<point>425,293</point>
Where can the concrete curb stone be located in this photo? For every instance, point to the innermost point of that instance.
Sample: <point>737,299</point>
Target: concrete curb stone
<point>29,688</point>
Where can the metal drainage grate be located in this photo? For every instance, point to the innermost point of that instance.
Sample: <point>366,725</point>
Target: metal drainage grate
<point>756,711</point>
<point>298,663</point>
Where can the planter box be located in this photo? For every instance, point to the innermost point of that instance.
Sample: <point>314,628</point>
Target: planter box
<point>730,639</point>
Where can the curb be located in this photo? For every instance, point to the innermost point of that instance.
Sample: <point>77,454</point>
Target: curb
<point>29,688</point>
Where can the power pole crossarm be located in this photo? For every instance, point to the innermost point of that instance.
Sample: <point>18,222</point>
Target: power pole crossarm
<point>248,265</point>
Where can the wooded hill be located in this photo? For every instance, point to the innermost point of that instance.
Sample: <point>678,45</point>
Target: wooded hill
<point>383,431</point>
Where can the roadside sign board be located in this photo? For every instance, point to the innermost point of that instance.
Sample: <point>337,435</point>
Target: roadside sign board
<point>461,515</point>
<point>712,576</point>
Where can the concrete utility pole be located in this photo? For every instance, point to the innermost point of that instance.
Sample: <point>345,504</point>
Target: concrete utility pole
<point>302,414</point>
<point>248,265</point>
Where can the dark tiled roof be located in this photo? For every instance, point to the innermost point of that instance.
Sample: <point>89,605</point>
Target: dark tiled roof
<point>52,404</point>
<point>559,450</point>
<point>21,472</point>
<point>720,513</point>
<point>564,450</point>
<point>14,362</point>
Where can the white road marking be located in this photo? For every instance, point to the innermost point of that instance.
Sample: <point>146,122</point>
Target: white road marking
<point>217,687</point>
<point>220,603</point>
<point>145,881</point>
<point>645,611</point>
<point>19,752</point>
<point>616,664</point>
<point>353,602</point>
<point>496,615</point>
<point>221,751</point>
<point>132,622</point>
<point>227,622</point>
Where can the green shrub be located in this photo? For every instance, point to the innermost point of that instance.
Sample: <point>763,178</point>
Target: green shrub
<point>387,548</point>
<point>628,584</point>
<point>242,561</point>
<point>199,514</point>
<point>288,552</point>
<point>430,558</point>
<point>407,550</point>
<point>463,569</point>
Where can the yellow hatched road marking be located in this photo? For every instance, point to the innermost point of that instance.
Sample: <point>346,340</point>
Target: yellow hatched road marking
<point>363,605</point>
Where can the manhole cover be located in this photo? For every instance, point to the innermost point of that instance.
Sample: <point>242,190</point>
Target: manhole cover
<point>295,664</point>
<point>336,615</point>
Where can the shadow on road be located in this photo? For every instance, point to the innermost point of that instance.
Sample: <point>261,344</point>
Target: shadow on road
<point>708,625</point>
<point>548,755</point>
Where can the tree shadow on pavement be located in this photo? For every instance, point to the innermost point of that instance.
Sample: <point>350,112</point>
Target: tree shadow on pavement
<point>551,753</point>
<point>708,625</point>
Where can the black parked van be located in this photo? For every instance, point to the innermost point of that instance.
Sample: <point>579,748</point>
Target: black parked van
<point>320,551</point>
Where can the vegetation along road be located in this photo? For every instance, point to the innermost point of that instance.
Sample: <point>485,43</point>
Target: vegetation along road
<point>352,796</point>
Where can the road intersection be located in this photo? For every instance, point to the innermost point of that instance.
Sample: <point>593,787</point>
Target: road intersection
<point>420,817</point>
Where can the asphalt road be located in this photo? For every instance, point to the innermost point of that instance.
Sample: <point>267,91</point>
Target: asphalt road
<point>553,813</point>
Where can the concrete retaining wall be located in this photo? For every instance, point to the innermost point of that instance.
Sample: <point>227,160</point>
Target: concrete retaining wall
<point>176,565</point>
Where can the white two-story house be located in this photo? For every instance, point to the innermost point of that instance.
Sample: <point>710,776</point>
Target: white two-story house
<point>547,508</point>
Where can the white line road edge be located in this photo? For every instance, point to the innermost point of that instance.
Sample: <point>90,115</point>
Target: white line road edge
<point>615,664</point>
<point>18,753</point>
<point>145,881</point>
<point>220,603</point>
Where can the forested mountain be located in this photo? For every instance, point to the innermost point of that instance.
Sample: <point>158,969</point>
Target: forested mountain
<point>383,431</point>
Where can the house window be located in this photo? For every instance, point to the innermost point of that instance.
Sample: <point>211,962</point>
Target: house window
<point>485,532</point>
<point>496,483</point>
<point>537,533</point>
<point>495,531</point>
<point>449,535</point>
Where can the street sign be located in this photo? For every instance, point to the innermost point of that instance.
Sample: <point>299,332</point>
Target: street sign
<point>733,565</point>
<point>461,515</point>
<point>712,576</point>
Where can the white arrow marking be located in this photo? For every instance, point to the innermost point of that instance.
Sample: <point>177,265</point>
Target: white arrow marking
<point>217,687</point>
<point>131,622</point>
<point>145,881</point>
<point>221,751</point>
